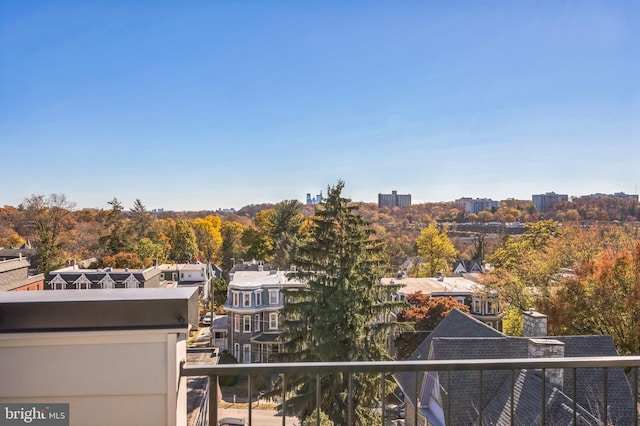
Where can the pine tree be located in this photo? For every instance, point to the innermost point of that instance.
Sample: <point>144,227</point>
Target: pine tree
<point>343,315</point>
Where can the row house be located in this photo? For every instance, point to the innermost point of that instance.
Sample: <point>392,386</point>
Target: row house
<point>75,278</point>
<point>254,302</point>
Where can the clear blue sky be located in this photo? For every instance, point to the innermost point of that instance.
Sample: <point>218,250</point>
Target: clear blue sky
<point>200,105</point>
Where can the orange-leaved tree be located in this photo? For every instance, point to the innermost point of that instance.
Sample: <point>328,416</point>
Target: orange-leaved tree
<point>425,313</point>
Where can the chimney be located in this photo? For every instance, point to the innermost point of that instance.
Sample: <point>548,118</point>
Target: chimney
<point>535,324</point>
<point>549,348</point>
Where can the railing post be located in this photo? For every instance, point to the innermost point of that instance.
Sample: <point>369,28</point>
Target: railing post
<point>480,414</point>
<point>284,400</point>
<point>417,401</point>
<point>448,420</point>
<point>543,409</point>
<point>249,396</point>
<point>383,391</point>
<point>350,403</point>
<point>575,397</point>
<point>635,397</point>
<point>605,373</point>
<point>513,395</point>
<point>213,400</point>
<point>318,399</point>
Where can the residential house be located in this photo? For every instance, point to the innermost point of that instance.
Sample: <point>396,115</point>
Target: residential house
<point>190,274</point>
<point>467,267</point>
<point>483,304</point>
<point>14,275</point>
<point>461,398</point>
<point>254,301</point>
<point>74,277</point>
<point>24,251</point>
<point>219,332</point>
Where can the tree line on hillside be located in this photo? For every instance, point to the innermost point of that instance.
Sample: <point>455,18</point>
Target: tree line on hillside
<point>587,278</point>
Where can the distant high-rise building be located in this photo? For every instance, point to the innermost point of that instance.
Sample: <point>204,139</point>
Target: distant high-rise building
<point>315,200</point>
<point>614,195</point>
<point>475,206</point>
<point>544,202</point>
<point>394,200</point>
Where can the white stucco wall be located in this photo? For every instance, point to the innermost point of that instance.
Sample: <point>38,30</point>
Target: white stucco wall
<point>108,377</point>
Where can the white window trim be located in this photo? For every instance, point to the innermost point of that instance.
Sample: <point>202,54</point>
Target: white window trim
<point>236,298</point>
<point>246,321</point>
<point>258,297</point>
<point>58,280</point>
<point>246,300</point>
<point>107,282</point>
<point>131,282</point>
<point>236,350</point>
<point>277,297</point>
<point>82,282</point>
<point>257,319</point>
<point>273,318</point>
<point>246,359</point>
<point>236,323</point>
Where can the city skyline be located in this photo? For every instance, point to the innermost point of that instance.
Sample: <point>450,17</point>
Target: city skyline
<point>203,106</point>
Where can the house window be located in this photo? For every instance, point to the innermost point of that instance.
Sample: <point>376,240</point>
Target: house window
<point>181,274</point>
<point>246,353</point>
<point>490,324</point>
<point>246,297</point>
<point>273,297</point>
<point>246,320</point>
<point>490,308</point>
<point>273,321</point>
<point>476,306</point>
<point>259,298</point>
<point>58,283</point>
<point>236,351</point>
<point>236,323</point>
<point>236,298</point>
<point>257,327</point>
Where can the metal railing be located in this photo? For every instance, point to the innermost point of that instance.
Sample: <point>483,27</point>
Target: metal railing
<point>284,370</point>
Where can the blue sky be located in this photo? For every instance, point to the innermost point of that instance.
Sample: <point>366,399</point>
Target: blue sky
<point>213,104</point>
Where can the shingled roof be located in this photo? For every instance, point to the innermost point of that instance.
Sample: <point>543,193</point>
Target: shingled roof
<point>460,336</point>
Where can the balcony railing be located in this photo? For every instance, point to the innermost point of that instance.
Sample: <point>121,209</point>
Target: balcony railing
<point>632,364</point>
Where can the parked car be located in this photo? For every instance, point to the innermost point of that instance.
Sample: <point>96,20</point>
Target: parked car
<point>232,421</point>
<point>207,319</point>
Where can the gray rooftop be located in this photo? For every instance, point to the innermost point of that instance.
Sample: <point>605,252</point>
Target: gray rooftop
<point>74,310</point>
<point>460,336</point>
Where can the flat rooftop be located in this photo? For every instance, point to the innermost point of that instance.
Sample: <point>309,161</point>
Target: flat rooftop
<point>98,309</point>
<point>433,285</point>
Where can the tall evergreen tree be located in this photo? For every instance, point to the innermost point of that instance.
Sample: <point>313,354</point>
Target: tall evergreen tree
<point>343,315</point>
<point>283,228</point>
<point>117,237</point>
<point>141,220</point>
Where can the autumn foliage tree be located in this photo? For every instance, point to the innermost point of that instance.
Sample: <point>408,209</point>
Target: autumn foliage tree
<point>425,313</point>
<point>436,251</point>
<point>603,298</point>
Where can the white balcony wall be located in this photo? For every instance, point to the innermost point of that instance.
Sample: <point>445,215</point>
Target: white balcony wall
<point>108,377</point>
